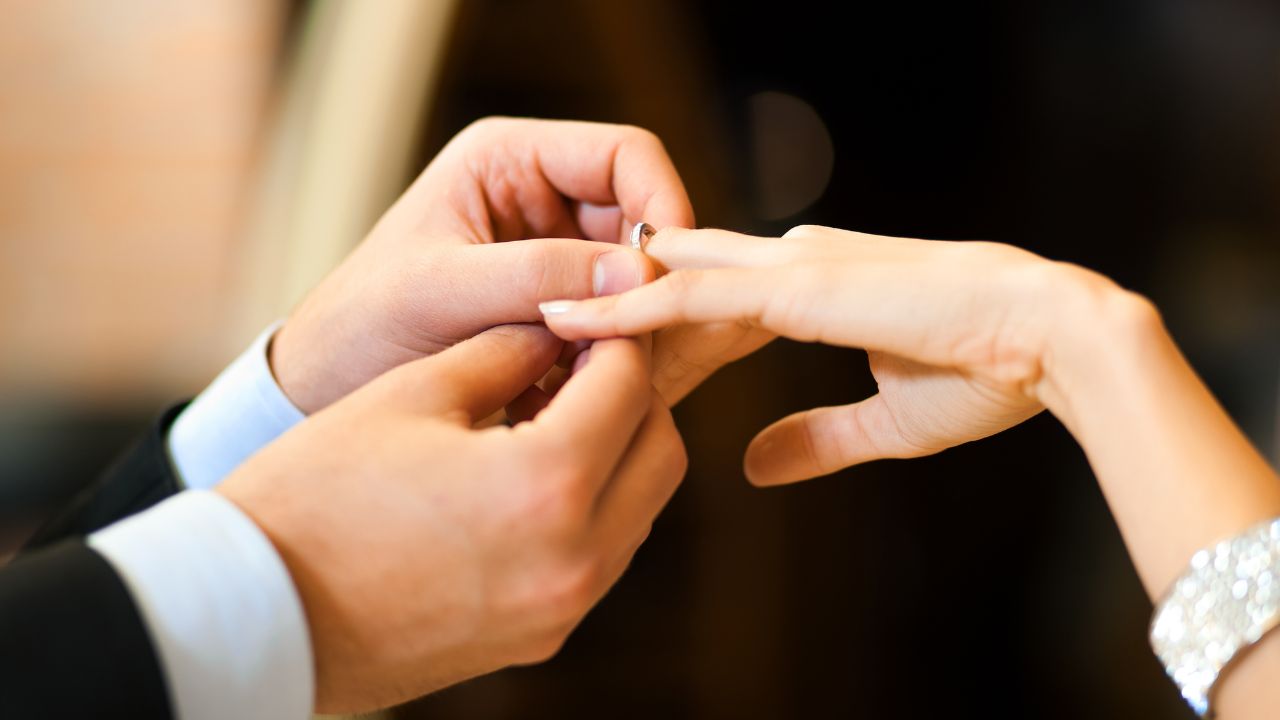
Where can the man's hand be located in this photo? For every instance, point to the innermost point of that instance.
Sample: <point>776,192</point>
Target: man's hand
<point>426,552</point>
<point>437,268</point>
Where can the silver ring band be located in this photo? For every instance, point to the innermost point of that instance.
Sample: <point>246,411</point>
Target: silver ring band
<point>640,234</point>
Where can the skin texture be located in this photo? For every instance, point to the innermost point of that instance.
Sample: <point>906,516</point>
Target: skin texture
<point>965,340</point>
<point>425,551</point>
<point>439,266</point>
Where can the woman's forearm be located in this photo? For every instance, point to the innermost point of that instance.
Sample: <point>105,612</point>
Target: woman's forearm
<point>973,338</point>
<point>1177,473</point>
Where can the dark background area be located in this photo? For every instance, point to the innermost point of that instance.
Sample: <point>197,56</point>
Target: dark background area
<point>1137,137</point>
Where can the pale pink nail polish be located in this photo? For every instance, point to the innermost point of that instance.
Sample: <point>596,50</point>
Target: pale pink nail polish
<point>556,307</point>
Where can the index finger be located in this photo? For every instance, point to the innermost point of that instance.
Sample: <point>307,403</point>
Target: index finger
<point>603,164</point>
<point>600,407</point>
<point>680,248</point>
<point>679,298</point>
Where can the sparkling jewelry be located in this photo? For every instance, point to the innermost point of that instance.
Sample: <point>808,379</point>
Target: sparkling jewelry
<point>1226,601</point>
<point>640,234</point>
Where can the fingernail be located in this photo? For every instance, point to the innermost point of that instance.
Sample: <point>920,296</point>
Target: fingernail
<point>556,307</point>
<point>615,272</point>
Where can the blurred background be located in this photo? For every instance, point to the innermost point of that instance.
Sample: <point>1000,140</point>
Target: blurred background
<point>176,173</point>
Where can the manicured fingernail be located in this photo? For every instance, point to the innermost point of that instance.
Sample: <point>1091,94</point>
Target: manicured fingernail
<point>556,307</point>
<point>615,272</point>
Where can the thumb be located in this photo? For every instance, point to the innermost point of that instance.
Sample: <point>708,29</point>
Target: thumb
<point>527,272</point>
<point>823,440</point>
<point>477,377</point>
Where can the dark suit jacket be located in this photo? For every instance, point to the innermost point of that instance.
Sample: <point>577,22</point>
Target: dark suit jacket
<point>72,642</point>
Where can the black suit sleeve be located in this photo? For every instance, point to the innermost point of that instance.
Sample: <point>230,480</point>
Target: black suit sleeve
<point>72,644</point>
<point>140,478</point>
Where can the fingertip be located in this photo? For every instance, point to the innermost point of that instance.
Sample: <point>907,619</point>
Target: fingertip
<point>618,350</point>
<point>774,457</point>
<point>557,308</point>
<point>576,320</point>
<point>623,360</point>
<point>561,320</point>
<point>752,477</point>
<point>759,463</point>
<point>669,207</point>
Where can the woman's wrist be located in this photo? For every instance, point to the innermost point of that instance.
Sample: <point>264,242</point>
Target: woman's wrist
<point>1177,473</point>
<point>1097,331</point>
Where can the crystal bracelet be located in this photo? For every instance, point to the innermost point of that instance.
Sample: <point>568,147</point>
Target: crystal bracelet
<point>1226,601</point>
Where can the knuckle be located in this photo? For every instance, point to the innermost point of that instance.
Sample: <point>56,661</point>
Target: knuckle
<point>512,339</point>
<point>557,500</point>
<point>569,593</point>
<point>987,252</point>
<point>642,136</point>
<point>406,297</point>
<point>793,250</point>
<point>680,284</point>
<point>1136,310</point>
<point>1032,278</point>
<point>674,455</point>
<point>679,457</point>
<point>813,442</point>
<point>791,307</point>
<point>508,333</point>
<point>803,231</point>
<point>538,268</point>
<point>536,253</point>
<point>554,513</point>
<point>546,647</point>
<point>670,470</point>
<point>485,126</point>
<point>1100,297</point>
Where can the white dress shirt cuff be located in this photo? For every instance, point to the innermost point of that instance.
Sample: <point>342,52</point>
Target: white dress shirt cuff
<point>220,606</point>
<point>242,411</point>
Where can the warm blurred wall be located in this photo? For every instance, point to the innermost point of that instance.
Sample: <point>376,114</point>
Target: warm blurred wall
<point>127,136</point>
<point>343,142</point>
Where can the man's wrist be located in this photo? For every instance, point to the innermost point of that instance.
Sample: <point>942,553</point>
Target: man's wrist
<point>289,376</point>
<point>220,607</point>
<point>241,411</point>
<point>303,364</point>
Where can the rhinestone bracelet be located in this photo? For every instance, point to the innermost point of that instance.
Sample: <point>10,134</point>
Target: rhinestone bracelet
<point>1226,601</point>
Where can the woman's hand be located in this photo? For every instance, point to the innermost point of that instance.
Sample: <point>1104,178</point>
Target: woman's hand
<point>426,552</point>
<point>960,334</point>
<point>967,339</point>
